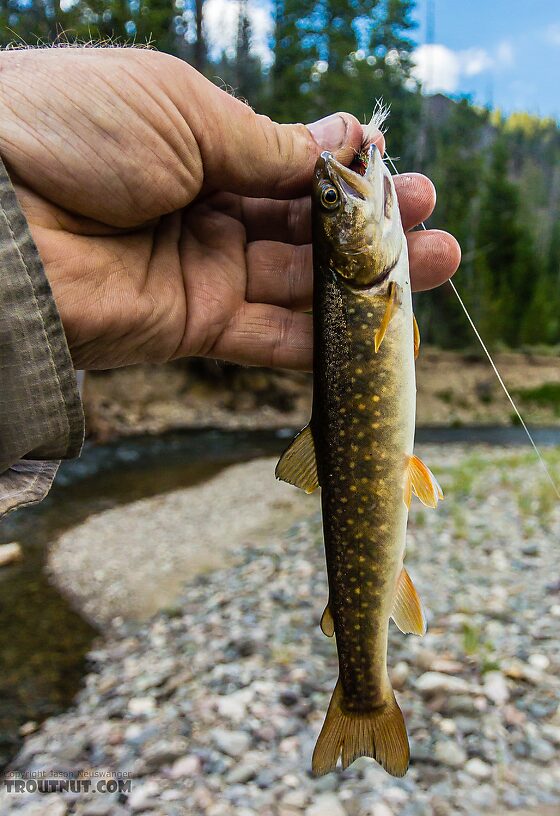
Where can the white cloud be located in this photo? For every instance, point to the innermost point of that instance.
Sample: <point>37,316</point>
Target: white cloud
<point>439,69</point>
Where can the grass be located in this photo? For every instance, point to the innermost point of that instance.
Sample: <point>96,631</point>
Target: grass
<point>544,396</point>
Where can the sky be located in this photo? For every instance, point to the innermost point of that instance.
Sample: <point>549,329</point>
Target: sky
<point>502,53</point>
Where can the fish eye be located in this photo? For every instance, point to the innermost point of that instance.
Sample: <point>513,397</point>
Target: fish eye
<point>329,197</point>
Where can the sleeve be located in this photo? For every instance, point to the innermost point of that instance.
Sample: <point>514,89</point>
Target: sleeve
<point>41,417</point>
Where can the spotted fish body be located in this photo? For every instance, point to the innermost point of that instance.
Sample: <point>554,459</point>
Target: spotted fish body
<point>358,449</point>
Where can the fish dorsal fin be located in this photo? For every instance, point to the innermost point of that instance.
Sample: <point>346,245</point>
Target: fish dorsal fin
<point>298,465</point>
<point>327,623</point>
<point>407,607</point>
<point>422,482</point>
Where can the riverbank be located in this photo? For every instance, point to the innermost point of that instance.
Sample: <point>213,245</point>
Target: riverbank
<point>214,704</point>
<point>453,389</point>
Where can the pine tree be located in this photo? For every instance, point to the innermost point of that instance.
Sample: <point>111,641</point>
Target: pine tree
<point>248,68</point>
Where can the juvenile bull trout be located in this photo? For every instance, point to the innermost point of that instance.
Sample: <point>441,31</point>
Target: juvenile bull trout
<point>358,449</point>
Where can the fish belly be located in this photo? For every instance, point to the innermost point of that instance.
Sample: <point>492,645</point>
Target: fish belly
<point>363,425</point>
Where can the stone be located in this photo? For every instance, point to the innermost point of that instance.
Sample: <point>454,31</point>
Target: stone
<point>164,752</point>
<point>326,804</point>
<point>399,674</point>
<point>450,753</point>
<point>495,687</point>
<point>144,796</point>
<point>478,769</point>
<point>243,772</point>
<point>432,682</point>
<point>10,553</point>
<point>184,767</point>
<point>141,706</point>
<point>232,743</point>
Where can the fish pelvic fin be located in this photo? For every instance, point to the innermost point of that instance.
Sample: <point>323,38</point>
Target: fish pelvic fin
<point>423,483</point>
<point>407,607</point>
<point>298,465</point>
<point>416,332</point>
<point>327,622</point>
<point>380,733</point>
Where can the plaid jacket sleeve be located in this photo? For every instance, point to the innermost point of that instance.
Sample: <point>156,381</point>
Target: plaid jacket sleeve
<point>41,418</point>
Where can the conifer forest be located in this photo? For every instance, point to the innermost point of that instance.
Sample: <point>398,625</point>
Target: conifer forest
<point>497,176</point>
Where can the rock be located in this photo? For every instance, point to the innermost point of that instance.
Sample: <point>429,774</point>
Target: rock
<point>164,752</point>
<point>296,799</point>
<point>432,682</point>
<point>450,753</point>
<point>144,796</point>
<point>10,553</point>
<point>399,674</point>
<point>541,751</point>
<point>185,766</point>
<point>243,772</point>
<point>495,687</point>
<point>539,661</point>
<point>326,804</point>
<point>54,805</point>
<point>232,743</point>
<point>377,809</point>
<point>478,769</point>
<point>141,706</point>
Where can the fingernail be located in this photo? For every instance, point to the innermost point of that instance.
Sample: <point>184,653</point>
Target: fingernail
<point>330,132</point>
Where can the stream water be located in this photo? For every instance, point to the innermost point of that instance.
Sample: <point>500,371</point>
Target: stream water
<point>43,642</point>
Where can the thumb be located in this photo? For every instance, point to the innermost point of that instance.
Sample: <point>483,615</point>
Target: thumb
<point>246,153</point>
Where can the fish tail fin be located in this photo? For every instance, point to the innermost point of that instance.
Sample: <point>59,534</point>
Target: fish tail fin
<point>380,733</point>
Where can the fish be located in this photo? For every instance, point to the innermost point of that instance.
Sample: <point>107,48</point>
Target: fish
<point>358,449</point>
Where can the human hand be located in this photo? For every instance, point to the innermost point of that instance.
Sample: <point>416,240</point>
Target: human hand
<point>171,219</point>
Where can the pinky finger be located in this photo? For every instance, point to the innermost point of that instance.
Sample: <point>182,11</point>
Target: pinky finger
<point>265,335</point>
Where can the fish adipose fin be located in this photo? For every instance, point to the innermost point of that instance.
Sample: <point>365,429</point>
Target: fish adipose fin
<point>407,607</point>
<point>298,465</point>
<point>392,300</point>
<point>416,337</point>
<point>380,734</point>
<point>420,480</point>
<point>327,623</point>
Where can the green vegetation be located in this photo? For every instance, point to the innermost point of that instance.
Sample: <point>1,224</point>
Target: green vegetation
<point>546,396</point>
<point>497,176</point>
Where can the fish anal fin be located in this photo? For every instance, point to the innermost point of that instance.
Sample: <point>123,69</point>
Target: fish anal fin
<point>379,733</point>
<point>392,299</point>
<point>298,465</point>
<point>416,331</point>
<point>424,483</point>
<point>407,607</point>
<point>327,623</point>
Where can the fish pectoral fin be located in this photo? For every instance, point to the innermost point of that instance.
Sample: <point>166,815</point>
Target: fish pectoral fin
<point>298,465</point>
<point>392,299</point>
<point>379,733</point>
<point>423,482</point>
<point>407,607</point>
<point>416,331</point>
<point>327,623</point>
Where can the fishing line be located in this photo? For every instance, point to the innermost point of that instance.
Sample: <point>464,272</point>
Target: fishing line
<point>494,367</point>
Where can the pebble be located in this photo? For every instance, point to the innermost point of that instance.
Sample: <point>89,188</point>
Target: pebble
<point>10,553</point>
<point>232,743</point>
<point>215,709</point>
<point>327,804</point>
<point>496,688</point>
<point>432,682</point>
<point>477,768</point>
<point>450,753</point>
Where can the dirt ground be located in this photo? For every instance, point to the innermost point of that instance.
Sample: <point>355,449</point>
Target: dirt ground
<point>453,389</point>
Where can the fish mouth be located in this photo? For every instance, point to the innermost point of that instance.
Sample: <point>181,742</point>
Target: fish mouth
<point>368,186</point>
